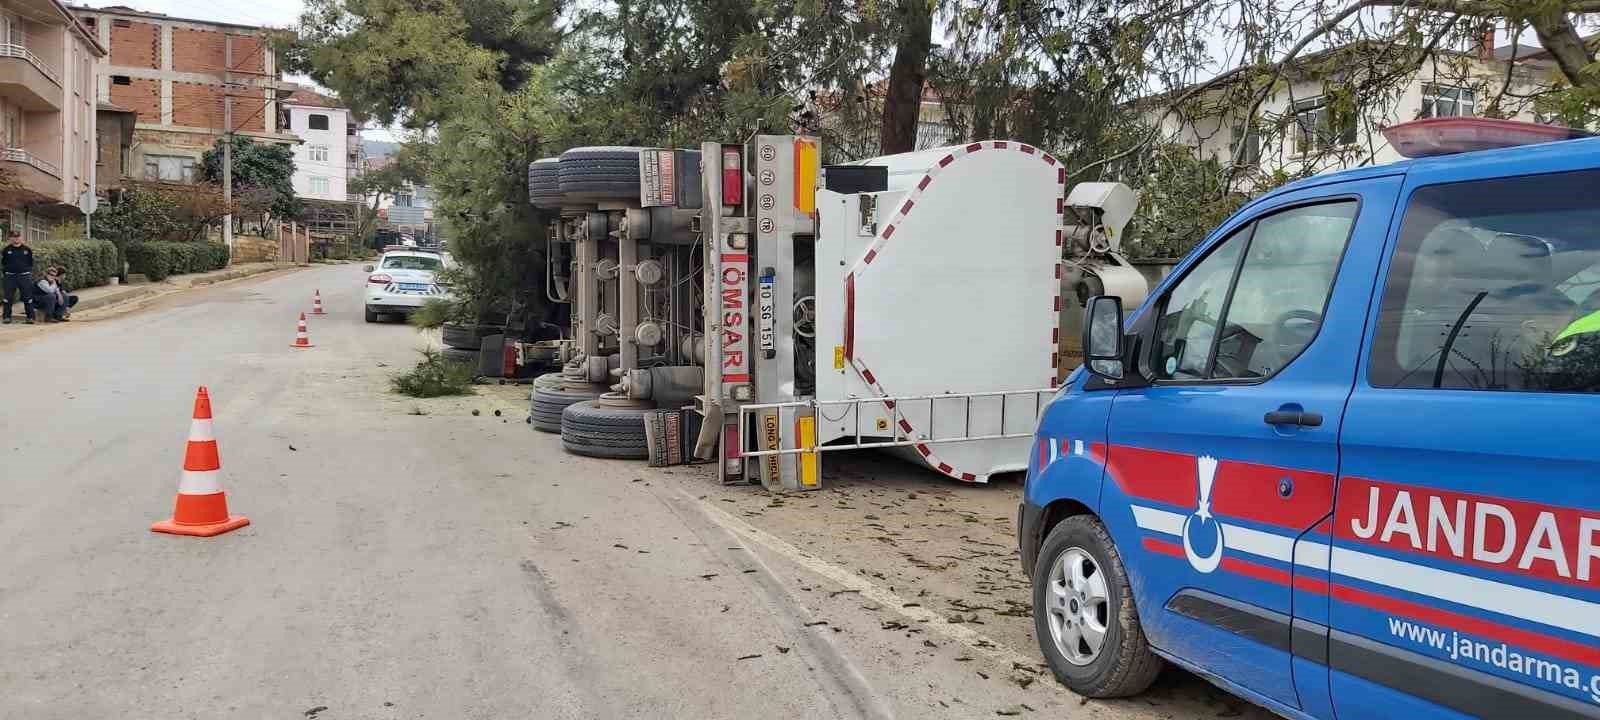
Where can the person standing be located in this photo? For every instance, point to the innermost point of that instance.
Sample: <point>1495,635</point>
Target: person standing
<point>16,263</point>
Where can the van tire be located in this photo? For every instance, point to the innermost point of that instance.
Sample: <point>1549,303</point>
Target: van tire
<point>1126,665</point>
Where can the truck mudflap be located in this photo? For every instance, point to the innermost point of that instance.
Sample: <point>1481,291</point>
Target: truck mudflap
<point>918,426</point>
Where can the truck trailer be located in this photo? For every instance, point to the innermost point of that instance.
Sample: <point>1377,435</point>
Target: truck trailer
<point>743,304</point>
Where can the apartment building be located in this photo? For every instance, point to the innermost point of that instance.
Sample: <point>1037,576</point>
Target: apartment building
<point>47,115</point>
<point>176,74</point>
<point>330,154</point>
<point>1296,130</point>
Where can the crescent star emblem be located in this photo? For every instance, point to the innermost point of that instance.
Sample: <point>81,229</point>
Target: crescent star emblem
<point>1204,563</point>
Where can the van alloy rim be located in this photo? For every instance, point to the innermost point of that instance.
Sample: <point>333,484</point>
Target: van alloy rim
<point>1077,606</point>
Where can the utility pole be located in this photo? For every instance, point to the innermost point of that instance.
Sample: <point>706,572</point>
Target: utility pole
<point>227,138</point>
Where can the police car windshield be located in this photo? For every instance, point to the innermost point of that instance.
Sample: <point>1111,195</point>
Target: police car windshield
<point>410,262</point>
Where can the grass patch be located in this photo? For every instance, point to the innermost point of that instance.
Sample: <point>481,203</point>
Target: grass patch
<point>433,313</point>
<point>435,376</point>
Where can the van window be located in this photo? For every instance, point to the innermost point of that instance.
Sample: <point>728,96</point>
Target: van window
<point>1190,314</point>
<point>1493,287</point>
<point>1270,313</point>
<point>1283,289</point>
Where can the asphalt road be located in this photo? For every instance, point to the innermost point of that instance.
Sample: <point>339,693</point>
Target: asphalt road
<point>403,565</point>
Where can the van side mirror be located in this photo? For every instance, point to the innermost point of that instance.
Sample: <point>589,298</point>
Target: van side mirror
<point>1103,337</point>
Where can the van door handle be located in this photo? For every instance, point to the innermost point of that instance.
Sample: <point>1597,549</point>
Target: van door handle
<point>1293,417</point>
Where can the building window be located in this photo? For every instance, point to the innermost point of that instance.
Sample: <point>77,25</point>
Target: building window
<point>11,127</point>
<point>121,80</point>
<point>1248,141</point>
<point>89,22</point>
<point>318,153</point>
<point>1318,128</point>
<point>1446,101</point>
<point>167,168</point>
<point>319,185</point>
<point>402,200</point>
<point>317,122</point>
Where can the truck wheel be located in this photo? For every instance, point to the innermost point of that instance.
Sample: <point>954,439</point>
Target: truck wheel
<point>549,402</point>
<point>544,183</point>
<point>1084,613</point>
<point>589,428</point>
<point>600,173</point>
<point>371,316</point>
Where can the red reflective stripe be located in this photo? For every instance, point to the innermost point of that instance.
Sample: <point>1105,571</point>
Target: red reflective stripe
<point>865,373</point>
<point>974,147</point>
<point>850,315</point>
<point>1058,271</point>
<point>1059,236</point>
<point>1026,148</point>
<point>1055,360</point>
<point>1048,159</point>
<point>969,477</point>
<point>999,144</point>
<point>1061,176</point>
<point>924,450</point>
<point>944,468</point>
<point>736,378</point>
<point>906,208</point>
<point>923,185</point>
<point>946,160</point>
<point>868,259</point>
<point>888,232</point>
<point>905,425</point>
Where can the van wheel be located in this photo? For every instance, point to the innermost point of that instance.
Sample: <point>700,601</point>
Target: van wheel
<point>1084,615</point>
<point>371,316</point>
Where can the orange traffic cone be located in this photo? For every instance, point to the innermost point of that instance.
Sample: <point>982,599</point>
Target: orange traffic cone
<point>316,303</point>
<point>202,508</point>
<point>301,339</point>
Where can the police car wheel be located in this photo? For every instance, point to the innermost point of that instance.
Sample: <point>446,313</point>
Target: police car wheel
<point>1084,614</point>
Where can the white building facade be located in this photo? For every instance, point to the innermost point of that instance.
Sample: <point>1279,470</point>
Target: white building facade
<point>321,160</point>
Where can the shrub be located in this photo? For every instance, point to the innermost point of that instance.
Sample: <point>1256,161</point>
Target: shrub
<point>434,312</point>
<point>435,376</point>
<point>88,262</point>
<point>159,260</point>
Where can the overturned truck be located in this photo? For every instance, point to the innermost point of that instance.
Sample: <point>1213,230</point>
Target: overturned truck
<point>743,304</point>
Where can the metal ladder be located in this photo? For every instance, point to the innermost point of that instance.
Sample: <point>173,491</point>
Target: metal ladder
<point>1037,398</point>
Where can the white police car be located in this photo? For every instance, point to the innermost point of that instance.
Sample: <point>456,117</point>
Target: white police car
<point>401,281</point>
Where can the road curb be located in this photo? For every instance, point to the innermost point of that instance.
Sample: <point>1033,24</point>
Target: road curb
<point>130,293</point>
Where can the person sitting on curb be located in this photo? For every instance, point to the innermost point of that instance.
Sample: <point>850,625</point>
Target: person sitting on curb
<point>16,264</point>
<point>51,295</point>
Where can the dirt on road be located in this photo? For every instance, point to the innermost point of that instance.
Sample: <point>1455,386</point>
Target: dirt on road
<point>934,563</point>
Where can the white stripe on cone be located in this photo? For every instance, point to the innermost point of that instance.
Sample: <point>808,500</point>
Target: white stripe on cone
<point>200,430</point>
<point>199,482</point>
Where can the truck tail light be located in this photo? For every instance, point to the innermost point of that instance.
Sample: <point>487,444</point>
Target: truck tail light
<point>732,176</point>
<point>380,279</point>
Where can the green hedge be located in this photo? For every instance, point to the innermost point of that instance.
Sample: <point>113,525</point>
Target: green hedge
<point>88,262</point>
<point>158,260</point>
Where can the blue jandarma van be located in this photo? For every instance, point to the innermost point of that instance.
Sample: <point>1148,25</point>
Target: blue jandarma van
<point>1345,462</point>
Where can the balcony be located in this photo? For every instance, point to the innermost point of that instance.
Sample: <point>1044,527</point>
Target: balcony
<point>34,179</point>
<point>26,80</point>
